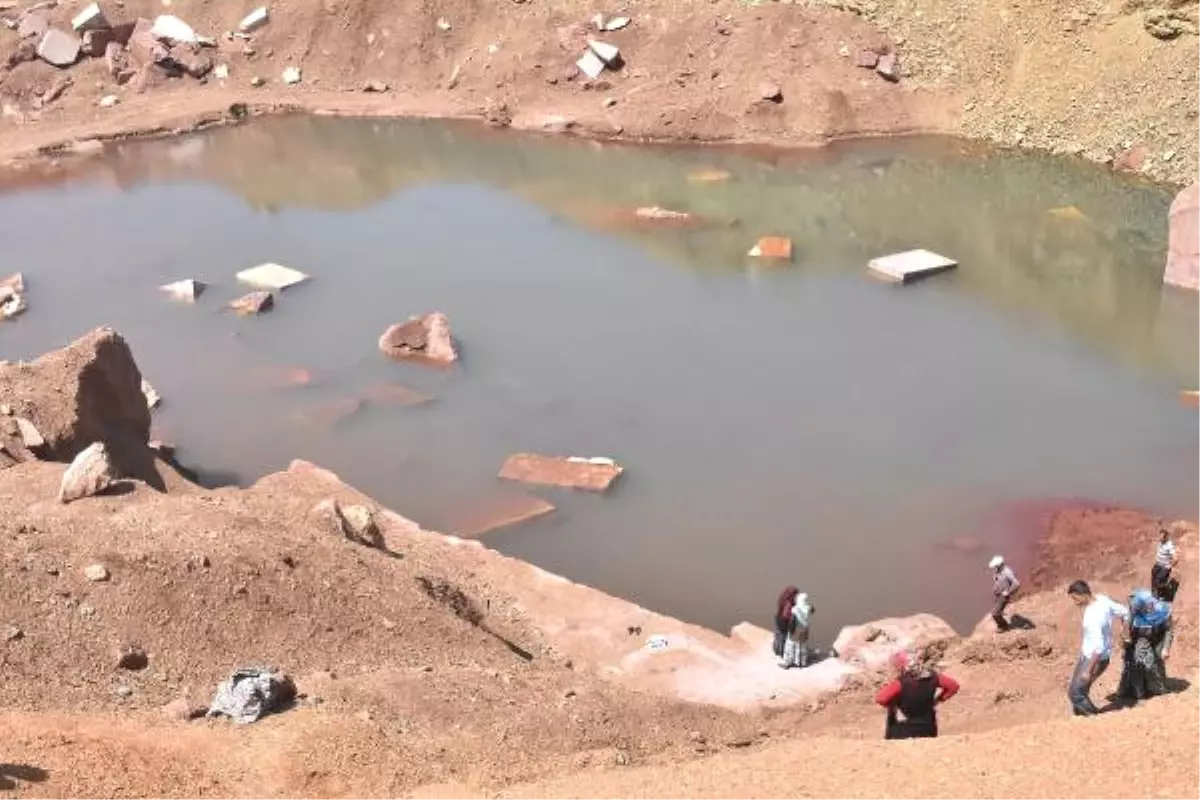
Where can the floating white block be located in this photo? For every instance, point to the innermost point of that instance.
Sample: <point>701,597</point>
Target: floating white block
<point>271,276</point>
<point>909,266</point>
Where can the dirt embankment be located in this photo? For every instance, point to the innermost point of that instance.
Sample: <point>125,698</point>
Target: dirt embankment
<point>431,666</point>
<point>1082,77</point>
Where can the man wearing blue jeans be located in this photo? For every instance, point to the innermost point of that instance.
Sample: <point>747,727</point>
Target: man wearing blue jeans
<point>1096,651</point>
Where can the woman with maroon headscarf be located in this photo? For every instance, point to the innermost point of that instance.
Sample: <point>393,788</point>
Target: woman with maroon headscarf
<point>783,618</point>
<point>912,697</point>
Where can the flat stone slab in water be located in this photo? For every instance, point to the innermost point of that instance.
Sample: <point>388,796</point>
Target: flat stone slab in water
<point>497,512</point>
<point>909,266</point>
<point>271,276</point>
<point>588,474</point>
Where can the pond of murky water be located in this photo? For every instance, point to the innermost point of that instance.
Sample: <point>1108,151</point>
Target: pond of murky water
<point>801,424</point>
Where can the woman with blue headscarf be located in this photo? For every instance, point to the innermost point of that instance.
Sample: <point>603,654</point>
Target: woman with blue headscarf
<point>1145,673</point>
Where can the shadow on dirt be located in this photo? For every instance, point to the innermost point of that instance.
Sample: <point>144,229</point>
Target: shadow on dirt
<point>11,773</point>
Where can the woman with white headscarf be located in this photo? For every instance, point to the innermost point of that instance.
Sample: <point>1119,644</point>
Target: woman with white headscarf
<point>795,647</point>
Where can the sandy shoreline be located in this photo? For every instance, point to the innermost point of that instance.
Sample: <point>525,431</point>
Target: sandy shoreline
<point>48,149</point>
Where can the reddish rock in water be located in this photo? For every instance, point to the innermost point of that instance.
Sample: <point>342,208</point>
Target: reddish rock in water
<point>1183,248</point>
<point>772,248</point>
<point>253,303</point>
<point>426,338</point>
<point>331,414</point>
<point>968,545</point>
<point>502,510</point>
<point>394,394</point>
<point>272,377</point>
<point>589,474</point>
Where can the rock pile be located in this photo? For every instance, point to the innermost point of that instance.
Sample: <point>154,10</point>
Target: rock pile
<point>138,52</point>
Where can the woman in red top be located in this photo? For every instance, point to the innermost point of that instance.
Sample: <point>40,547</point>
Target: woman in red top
<point>911,698</point>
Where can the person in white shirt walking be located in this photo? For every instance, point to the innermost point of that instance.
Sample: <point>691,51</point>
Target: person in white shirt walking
<point>1096,650</point>
<point>1164,564</point>
<point>1004,587</point>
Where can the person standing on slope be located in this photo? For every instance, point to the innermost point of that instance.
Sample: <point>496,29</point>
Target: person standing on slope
<point>795,647</point>
<point>1145,672</point>
<point>783,619</point>
<point>1165,559</point>
<point>912,697</point>
<point>1095,652</point>
<point>1004,587</point>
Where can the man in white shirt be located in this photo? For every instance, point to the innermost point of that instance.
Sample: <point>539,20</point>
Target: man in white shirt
<point>1004,588</point>
<point>1164,564</point>
<point>1096,650</point>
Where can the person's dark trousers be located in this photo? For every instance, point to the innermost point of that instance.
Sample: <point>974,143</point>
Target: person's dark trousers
<point>1081,685</point>
<point>998,613</point>
<point>1160,576</point>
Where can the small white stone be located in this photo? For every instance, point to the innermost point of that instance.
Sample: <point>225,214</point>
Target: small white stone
<point>96,572</point>
<point>91,18</point>
<point>443,24</point>
<point>172,30</point>
<point>221,71</point>
<point>291,75</point>
<point>590,64</point>
<point>608,53</point>
<point>153,398</point>
<point>108,101</point>
<point>255,19</point>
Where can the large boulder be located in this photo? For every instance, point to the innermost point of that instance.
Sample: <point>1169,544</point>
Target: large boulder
<point>89,391</point>
<point>872,645</point>
<point>1183,249</point>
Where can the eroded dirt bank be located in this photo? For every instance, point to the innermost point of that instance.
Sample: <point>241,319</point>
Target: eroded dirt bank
<point>1082,77</point>
<point>432,666</point>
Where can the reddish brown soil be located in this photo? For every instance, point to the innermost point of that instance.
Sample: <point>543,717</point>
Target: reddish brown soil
<point>692,75</point>
<point>693,72</point>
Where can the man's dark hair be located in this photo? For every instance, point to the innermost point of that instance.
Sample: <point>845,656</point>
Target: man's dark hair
<point>1079,588</point>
